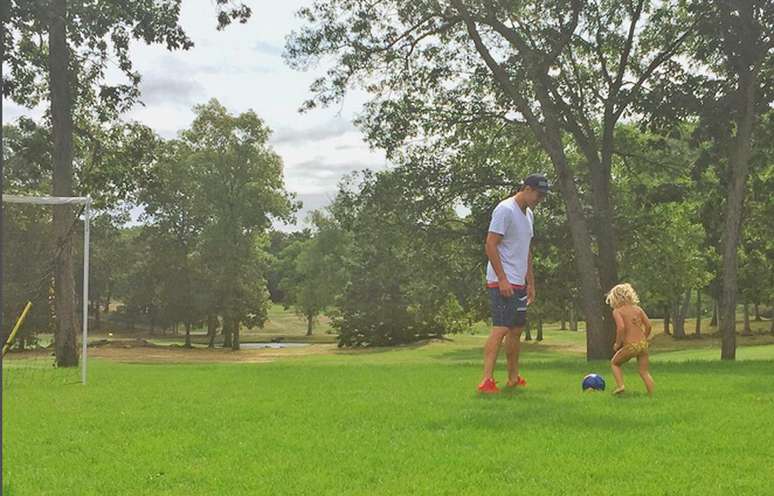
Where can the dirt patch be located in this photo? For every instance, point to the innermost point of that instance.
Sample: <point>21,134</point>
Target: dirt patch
<point>142,351</point>
<point>164,354</point>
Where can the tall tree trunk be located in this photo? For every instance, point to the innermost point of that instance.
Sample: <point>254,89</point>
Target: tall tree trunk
<point>187,334</point>
<point>527,332</point>
<point>676,331</point>
<point>679,313</point>
<point>666,320</point>
<point>747,329</point>
<point>97,316</point>
<point>602,218</point>
<point>739,165</point>
<point>573,318</point>
<point>756,306</point>
<point>540,327</point>
<point>548,131</point>
<point>600,331</point>
<point>563,325</point>
<point>227,343</point>
<point>235,333</point>
<point>714,319</point>
<point>309,324</point>
<point>698,312</point>
<point>62,130</point>
<point>212,328</point>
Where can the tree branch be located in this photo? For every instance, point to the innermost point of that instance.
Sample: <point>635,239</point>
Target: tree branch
<point>654,64</point>
<point>627,49</point>
<point>500,75</point>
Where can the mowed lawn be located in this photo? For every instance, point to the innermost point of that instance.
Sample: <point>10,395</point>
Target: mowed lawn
<point>394,422</point>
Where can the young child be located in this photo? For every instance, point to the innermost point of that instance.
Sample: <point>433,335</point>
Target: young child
<point>632,329</point>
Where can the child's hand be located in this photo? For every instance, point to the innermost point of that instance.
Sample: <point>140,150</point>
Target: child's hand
<point>616,346</point>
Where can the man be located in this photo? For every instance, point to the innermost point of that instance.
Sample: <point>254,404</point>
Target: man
<point>509,276</point>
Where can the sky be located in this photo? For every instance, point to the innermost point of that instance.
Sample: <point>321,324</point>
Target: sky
<point>243,68</point>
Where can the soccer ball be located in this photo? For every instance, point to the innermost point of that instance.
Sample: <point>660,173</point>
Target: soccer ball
<point>593,382</point>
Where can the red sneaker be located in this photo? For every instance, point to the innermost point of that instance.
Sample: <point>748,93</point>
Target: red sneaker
<point>520,382</point>
<point>488,386</point>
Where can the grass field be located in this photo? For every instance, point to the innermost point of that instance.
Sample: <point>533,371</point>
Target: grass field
<point>398,421</point>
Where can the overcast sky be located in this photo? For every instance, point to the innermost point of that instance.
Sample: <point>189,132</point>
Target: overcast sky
<point>243,68</point>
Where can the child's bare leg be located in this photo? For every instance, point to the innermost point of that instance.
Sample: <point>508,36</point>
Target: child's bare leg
<point>618,359</point>
<point>644,362</point>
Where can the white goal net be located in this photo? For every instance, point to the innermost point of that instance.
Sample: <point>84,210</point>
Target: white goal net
<point>29,255</point>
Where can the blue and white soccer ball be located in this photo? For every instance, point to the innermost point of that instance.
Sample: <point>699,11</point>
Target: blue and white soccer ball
<point>593,382</point>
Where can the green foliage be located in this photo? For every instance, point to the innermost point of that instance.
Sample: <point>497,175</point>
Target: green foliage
<point>99,35</point>
<point>406,280</point>
<point>27,270</point>
<point>313,269</point>
<point>209,197</point>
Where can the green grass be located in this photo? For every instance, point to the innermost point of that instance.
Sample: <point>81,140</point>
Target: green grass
<point>398,421</point>
<point>281,323</point>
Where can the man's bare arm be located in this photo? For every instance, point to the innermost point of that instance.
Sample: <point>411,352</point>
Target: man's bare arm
<point>492,240</point>
<point>530,279</point>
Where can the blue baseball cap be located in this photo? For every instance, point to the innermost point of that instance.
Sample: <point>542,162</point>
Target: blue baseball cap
<point>537,181</point>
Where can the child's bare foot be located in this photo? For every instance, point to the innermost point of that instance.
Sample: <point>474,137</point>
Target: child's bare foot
<point>619,390</point>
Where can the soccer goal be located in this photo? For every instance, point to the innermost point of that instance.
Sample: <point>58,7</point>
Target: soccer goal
<point>28,268</point>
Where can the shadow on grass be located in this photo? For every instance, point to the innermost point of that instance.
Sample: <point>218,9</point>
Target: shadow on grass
<point>533,357</point>
<point>377,350</point>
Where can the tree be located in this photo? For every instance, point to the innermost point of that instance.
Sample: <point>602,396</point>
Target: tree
<point>27,271</point>
<point>663,247</point>
<point>727,86</point>
<point>175,219</point>
<point>313,270</point>
<point>69,71</point>
<point>278,242</point>
<point>27,245</point>
<point>238,179</point>
<point>105,264</point>
<point>560,71</point>
<point>401,275</point>
<point>745,52</point>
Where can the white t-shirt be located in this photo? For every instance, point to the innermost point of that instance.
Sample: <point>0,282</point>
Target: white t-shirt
<point>515,226</point>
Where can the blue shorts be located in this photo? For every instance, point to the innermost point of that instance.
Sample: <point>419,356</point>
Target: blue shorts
<point>508,312</point>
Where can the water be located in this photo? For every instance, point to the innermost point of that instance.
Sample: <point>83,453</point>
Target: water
<point>258,346</point>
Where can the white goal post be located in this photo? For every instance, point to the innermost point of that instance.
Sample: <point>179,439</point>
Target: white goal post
<point>70,200</point>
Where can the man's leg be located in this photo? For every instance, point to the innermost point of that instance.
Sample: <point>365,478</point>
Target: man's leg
<point>513,339</point>
<point>491,348</point>
<point>512,348</point>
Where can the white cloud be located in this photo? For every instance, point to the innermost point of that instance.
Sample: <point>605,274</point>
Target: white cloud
<point>331,129</point>
<point>311,202</point>
<point>12,111</point>
<point>165,89</point>
<point>268,48</point>
<point>242,67</point>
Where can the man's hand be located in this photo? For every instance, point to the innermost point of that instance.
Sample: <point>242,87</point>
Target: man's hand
<point>530,295</point>
<point>505,288</point>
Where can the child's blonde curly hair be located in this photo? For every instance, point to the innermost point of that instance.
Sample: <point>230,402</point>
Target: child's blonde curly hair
<point>622,294</point>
